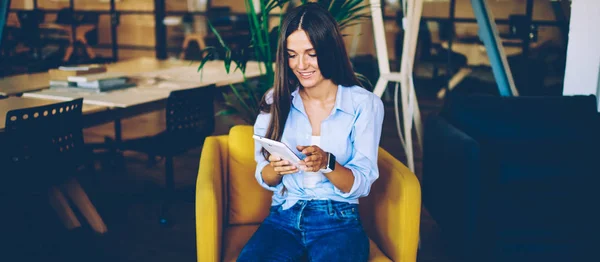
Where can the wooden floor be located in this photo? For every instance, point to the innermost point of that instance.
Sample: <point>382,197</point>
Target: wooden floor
<point>128,202</point>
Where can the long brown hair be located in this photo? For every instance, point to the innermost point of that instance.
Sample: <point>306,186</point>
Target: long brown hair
<point>324,34</point>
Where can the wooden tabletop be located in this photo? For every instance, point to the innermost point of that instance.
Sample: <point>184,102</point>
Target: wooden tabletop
<point>155,80</point>
<point>179,70</point>
<point>19,84</point>
<point>12,103</point>
<point>123,98</point>
<point>14,85</point>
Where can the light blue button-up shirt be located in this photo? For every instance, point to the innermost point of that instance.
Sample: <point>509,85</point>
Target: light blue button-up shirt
<point>351,132</point>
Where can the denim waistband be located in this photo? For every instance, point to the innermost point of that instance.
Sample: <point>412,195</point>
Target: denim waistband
<point>315,215</point>
<point>323,205</point>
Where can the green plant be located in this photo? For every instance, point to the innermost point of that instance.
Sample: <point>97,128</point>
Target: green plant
<point>245,97</point>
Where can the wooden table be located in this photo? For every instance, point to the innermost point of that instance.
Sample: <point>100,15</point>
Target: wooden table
<point>15,85</point>
<point>155,80</point>
<point>12,103</point>
<point>180,70</point>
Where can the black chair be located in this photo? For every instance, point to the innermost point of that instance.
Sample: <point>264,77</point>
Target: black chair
<point>42,151</point>
<point>44,145</point>
<point>190,119</point>
<point>514,178</point>
<point>30,33</point>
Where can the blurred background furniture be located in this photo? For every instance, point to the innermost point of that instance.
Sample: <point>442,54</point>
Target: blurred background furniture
<point>506,178</point>
<point>190,118</point>
<point>230,205</point>
<point>29,32</point>
<point>33,152</point>
<point>43,153</point>
<point>84,26</point>
<point>232,29</point>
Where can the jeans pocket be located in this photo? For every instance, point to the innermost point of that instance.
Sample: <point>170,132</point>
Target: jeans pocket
<point>275,209</point>
<point>347,212</point>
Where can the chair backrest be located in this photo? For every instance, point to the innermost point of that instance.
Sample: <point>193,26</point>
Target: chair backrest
<point>45,141</point>
<point>190,112</point>
<point>219,16</point>
<point>248,201</point>
<point>30,19</point>
<point>534,117</point>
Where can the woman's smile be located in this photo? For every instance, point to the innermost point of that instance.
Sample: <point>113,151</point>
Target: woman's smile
<point>306,75</point>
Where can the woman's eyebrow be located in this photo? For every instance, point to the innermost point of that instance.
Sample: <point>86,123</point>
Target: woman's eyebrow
<point>306,50</point>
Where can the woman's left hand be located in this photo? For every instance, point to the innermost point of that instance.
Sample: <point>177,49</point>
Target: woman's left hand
<point>316,158</point>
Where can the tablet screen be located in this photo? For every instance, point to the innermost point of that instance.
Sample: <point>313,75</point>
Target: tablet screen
<point>279,149</point>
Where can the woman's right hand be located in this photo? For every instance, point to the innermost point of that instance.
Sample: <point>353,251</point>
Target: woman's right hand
<point>282,167</point>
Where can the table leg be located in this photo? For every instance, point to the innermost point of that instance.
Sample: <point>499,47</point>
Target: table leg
<point>85,206</point>
<point>118,138</point>
<point>454,81</point>
<point>68,52</point>
<point>62,208</point>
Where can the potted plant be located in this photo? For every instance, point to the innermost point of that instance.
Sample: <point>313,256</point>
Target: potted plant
<point>245,97</point>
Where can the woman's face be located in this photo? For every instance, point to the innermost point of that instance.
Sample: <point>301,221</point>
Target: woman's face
<point>302,59</point>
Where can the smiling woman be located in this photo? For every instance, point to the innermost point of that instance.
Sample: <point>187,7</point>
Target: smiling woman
<point>318,108</point>
<point>303,59</point>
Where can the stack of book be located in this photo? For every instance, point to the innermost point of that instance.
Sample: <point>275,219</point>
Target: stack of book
<point>87,78</point>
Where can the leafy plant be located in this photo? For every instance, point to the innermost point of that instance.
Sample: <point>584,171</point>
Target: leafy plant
<point>245,97</point>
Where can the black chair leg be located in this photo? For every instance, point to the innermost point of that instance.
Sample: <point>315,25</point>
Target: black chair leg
<point>164,217</point>
<point>151,160</point>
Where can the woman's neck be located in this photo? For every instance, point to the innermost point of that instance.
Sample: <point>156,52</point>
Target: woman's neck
<point>323,93</point>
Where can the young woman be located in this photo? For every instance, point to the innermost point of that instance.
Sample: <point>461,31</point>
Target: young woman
<point>317,107</point>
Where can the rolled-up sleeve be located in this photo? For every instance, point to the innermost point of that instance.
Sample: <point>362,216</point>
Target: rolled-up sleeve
<point>260,128</point>
<point>366,135</point>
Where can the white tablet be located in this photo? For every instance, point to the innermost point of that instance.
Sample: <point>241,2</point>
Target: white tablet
<point>279,149</point>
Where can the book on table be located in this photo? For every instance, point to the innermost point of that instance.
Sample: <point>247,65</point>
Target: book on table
<point>102,82</point>
<point>96,77</point>
<point>77,89</point>
<point>62,83</point>
<point>63,72</point>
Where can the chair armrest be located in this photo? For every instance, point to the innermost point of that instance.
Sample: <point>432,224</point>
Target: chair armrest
<point>210,198</point>
<point>452,177</point>
<point>392,211</point>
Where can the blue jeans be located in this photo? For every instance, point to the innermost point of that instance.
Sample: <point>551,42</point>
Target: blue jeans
<point>316,230</point>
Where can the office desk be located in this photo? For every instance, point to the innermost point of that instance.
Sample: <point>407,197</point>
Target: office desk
<point>181,70</point>
<point>155,79</point>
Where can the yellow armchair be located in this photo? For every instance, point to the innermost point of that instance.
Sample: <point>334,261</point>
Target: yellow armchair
<point>230,204</point>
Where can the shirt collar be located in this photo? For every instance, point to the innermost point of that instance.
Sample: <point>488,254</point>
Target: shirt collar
<point>343,102</point>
